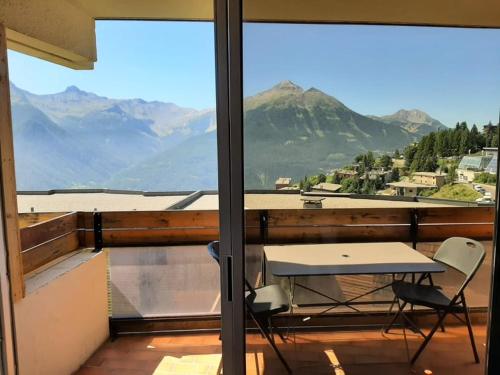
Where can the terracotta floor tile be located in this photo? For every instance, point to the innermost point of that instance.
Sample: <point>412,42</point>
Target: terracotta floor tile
<point>327,352</point>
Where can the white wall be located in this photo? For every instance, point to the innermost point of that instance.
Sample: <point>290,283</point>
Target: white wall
<point>60,324</point>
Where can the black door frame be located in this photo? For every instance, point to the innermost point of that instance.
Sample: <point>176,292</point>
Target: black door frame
<point>230,165</point>
<point>493,341</point>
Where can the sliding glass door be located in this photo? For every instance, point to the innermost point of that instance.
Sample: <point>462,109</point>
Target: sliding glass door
<point>366,147</point>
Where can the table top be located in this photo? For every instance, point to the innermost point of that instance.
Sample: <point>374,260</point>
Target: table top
<point>347,259</point>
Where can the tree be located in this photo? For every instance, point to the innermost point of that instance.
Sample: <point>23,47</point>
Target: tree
<point>307,186</point>
<point>452,173</point>
<point>350,185</point>
<point>409,153</point>
<point>395,175</point>
<point>385,161</point>
<point>337,179</point>
<point>370,160</point>
<point>463,142</point>
<point>475,139</point>
<point>486,178</point>
<point>369,186</point>
<point>397,154</point>
<point>439,146</point>
<point>321,178</point>
<point>494,141</point>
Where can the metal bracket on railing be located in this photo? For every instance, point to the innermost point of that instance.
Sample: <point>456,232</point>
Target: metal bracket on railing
<point>98,242</point>
<point>263,221</point>
<point>414,227</point>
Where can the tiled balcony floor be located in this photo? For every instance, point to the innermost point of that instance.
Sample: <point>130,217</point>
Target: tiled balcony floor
<point>327,352</point>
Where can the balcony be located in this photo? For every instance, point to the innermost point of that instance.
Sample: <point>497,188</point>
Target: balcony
<point>154,275</point>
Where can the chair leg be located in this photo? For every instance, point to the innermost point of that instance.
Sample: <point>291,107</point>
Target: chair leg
<point>270,325</point>
<point>400,309</point>
<point>442,323</point>
<point>469,327</point>
<point>264,332</point>
<point>278,331</point>
<point>410,324</point>
<point>428,337</point>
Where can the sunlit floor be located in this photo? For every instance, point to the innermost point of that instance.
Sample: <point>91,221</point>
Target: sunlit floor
<point>338,353</point>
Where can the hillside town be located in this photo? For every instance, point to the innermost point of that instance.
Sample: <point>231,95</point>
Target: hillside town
<point>466,173</point>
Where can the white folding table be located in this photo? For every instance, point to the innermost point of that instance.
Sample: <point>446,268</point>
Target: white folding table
<point>374,258</point>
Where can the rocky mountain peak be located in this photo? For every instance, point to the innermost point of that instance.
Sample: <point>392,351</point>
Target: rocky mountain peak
<point>413,115</point>
<point>287,86</point>
<point>73,90</point>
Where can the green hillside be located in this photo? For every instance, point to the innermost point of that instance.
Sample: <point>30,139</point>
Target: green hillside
<point>294,132</point>
<point>460,192</point>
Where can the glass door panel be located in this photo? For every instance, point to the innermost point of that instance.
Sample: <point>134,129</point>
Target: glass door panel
<point>366,148</point>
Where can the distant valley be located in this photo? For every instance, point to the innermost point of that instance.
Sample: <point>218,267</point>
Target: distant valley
<point>77,139</point>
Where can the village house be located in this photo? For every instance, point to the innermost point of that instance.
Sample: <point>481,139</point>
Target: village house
<point>282,183</point>
<point>408,188</point>
<point>431,179</point>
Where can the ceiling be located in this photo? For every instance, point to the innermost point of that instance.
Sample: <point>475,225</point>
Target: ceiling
<point>485,13</point>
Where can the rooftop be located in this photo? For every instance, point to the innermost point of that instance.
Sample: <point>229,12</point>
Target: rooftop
<point>429,174</point>
<point>88,202</point>
<point>283,181</point>
<point>406,184</point>
<point>346,171</point>
<point>474,162</point>
<point>327,186</point>
<point>65,202</point>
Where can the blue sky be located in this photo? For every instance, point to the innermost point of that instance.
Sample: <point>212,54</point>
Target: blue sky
<point>167,61</point>
<point>452,74</point>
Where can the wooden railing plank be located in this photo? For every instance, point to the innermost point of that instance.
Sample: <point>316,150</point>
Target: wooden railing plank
<point>338,234</point>
<point>328,216</point>
<point>39,233</point>
<point>85,220</point>
<point>160,219</point>
<point>48,251</point>
<point>31,218</point>
<point>131,237</point>
<point>434,215</point>
<point>435,232</point>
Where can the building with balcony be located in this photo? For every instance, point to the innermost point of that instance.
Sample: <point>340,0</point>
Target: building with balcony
<point>432,179</point>
<point>408,188</point>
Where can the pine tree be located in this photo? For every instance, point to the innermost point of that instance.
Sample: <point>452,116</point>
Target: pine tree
<point>463,141</point>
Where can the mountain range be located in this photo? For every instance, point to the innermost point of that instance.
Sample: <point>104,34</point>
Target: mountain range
<point>77,139</point>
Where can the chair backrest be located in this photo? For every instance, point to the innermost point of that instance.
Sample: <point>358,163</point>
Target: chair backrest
<point>213,250</point>
<point>462,254</point>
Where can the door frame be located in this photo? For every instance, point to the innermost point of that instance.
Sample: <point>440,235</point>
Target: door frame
<point>228,44</point>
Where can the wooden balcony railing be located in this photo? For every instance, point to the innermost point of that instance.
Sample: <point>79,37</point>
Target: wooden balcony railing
<point>47,240</point>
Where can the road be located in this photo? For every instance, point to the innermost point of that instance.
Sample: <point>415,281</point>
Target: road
<point>491,189</point>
